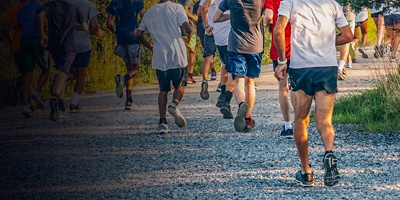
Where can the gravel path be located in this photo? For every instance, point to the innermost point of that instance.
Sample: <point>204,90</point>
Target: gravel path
<point>106,152</point>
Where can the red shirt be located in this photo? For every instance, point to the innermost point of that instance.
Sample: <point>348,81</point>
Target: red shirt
<point>274,6</point>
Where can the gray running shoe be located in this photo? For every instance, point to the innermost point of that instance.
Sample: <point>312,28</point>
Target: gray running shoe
<point>204,90</point>
<point>240,122</point>
<point>163,128</point>
<point>38,100</point>
<point>362,51</point>
<point>305,179</point>
<point>331,176</point>
<point>54,113</point>
<point>119,85</point>
<point>176,114</point>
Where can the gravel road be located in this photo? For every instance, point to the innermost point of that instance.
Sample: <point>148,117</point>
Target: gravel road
<point>106,152</point>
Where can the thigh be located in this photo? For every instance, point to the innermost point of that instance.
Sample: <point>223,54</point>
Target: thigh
<point>324,103</point>
<point>237,63</point>
<point>301,104</point>
<point>364,27</point>
<point>253,62</point>
<point>178,76</point>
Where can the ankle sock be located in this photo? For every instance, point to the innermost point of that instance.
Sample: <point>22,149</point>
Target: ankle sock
<point>212,70</point>
<point>341,65</point>
<point>75,98</point>
<point>126,78</point>
<point>288,125</point>
<point>163,121</point>
<point>228,96</point>
<point>128,94</point>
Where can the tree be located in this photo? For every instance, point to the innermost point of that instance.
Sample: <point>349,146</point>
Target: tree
<point>358,4</point>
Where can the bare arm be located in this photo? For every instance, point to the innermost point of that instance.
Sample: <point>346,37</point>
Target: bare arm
<point>96,28</point>
<point>204,13</point>
<point>269,16</point>
<point>143,40</point>
<point>220,16</point>
<point>190,15</point>
<point>41,18</point>
<point>141,13</point>
<point>345,35</point>
<point>109,23</point>
<point>83,27</point>
<point>279,39</point>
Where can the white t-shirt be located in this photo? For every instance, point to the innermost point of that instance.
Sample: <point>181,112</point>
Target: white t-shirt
<point>221,30</point>
<point>362,15</point>
<point>163,22</point>
<point>313,36</point>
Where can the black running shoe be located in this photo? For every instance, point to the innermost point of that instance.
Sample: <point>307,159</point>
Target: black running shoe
<point>73,108</point>
<point>221,100</point>
<point>54,113</point>
<point>331,176</point>
<point>287,133</point>
<point>119,85</point>
<point>226,110</point>
<point>204,90</point>
<point>128,104</point>
<point>305,179</point>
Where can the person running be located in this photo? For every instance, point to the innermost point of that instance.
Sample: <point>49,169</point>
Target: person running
<point>63,18</point>
<point>126,14</point>
<point>346,50</point>
<point>201,32</point>
<point>245,49</point>
<point>209,47</point>
<point>377,16</point>
<point>80,66</point>
<point>313,71</point>
<point>169,56</point>
<point>32,53</point>
<point>361,26</point>
<point>190,40</point>
<point>392,25</point>
<point>271,15</point>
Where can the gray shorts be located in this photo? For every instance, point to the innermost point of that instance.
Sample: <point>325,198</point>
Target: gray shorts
<point>130,53</point>
<point>209,45</point>
<point>315,79</point>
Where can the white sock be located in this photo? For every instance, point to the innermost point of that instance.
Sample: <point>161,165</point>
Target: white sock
<point>341,65</point>
<point>288,125</point>
<point>349,64</point>
<point>75,98</point>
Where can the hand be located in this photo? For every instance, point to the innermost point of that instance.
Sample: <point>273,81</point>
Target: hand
<point>45,40</point>
<point>280,72</point>
<point>209,30</point>
<point>100,33</point>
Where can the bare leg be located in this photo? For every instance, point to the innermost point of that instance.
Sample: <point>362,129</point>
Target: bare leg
<point>364,32</point>
<point>206,66</point>
<point>80,82</point>
<point>224,75</point>
<point>240,94</point>
<point>162,104</point>
<point>250,95</point>
<point>26,86</point>
<point>178,94</point>
<point>324,103</point>
<point>284,98</point>
<point>42,80</point>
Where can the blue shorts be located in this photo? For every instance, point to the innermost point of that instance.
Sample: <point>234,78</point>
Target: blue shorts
<point>392,19</point>
<point>245,64</point>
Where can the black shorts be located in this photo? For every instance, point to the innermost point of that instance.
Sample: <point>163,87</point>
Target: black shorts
<point>82,60</point>
<point>315,79</point>
<point>176,76</point>
<point>209,45</point>
<point>223,55</point>
<point>373,15</point>
<point>17,60</point>
<point>32,53</point>
<point>201,32</point>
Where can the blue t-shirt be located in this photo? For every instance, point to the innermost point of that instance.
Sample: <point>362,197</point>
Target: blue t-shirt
<point>27,16</point>
<point>126,19</point>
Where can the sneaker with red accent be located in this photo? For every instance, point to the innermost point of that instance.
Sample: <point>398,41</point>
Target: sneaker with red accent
<point>190,80</point>
<point>250,123</point>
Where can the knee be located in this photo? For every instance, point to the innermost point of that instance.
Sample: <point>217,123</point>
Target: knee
<point>323,125</point>
<point>302,121</point>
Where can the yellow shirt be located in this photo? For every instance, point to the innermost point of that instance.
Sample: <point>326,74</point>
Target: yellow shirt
<point>9,19</point>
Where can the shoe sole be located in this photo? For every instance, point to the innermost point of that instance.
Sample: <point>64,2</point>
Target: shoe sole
<point>240,122</point>
<point>287,136</point>
<point>54,114</point>
<point>213,78</point>
<point>163,132</point>
<point>227,114</point>
<point>363,54</point>
<point>204,93</point>
<point>307,184</point>
<point>178,119</point>
<point>330,179</point>
<point>119,89</point>
<point>38,101</point>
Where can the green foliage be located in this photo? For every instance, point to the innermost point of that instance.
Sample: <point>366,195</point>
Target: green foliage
<point>375,110</point>
<point>357,4</point>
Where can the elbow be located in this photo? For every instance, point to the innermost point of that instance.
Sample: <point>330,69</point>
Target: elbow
<point>277,32</point>
<point>349,37</point>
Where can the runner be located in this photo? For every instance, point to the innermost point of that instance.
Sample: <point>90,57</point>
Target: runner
<point>245,49</point>
<point>32,53</point>
<point>392,25</point>
<point>377,16</point>
<point>80,66</point>
<point>361,26</point>
<point>313,71</point>
<point>126,14</point>
<point>63,18</point>
<point>271,15</point>
<point>346,50</point>
<point>169,56</point>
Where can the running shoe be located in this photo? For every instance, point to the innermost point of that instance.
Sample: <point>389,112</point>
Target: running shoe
<point>54,113</point>
<point>73,108</point>
<point>349,65</point>
<point>287,133</point>
<point>393,59</point>
<point>362,51</point>
<point>305,179</point>
<point>226,110</point>
<point>250,124</point>
<point>219,89</point>
<point>331,176</point>
<point>128,104</point>
<point>38,100</point>
<point>27,112</point>
<point>190,80</point>
<point>377,53</point>
<point>213,76</point>
<point>240,122</point>
<point>382,50</point>
<point>176,114</point>
<point>163,128</point>
<point>119,85</point>
<point>221,100</point>
<point>204,90</point>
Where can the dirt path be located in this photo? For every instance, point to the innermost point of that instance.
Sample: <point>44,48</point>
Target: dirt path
<point>107,152</point>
